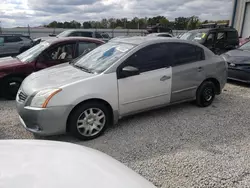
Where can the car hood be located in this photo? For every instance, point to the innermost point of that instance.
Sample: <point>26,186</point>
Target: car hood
<point>238,56</point>
<point>50,164</point>
<point>9,62</point>
<point>53,77</point>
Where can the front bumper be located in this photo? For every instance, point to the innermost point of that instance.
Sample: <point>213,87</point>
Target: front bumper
<point>239,74</point>
<point>44,121</point>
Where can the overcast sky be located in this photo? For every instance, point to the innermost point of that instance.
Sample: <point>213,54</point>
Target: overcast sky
<point>37,12</point>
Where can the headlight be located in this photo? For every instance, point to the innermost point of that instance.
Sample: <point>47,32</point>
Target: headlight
<point>42,98</point>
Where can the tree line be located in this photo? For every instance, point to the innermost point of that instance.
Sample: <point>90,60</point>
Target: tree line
<point>180,23</point>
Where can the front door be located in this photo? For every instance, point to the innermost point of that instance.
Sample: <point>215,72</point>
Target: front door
<point>152,87</point>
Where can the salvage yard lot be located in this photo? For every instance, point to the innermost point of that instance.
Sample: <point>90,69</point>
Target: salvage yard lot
<point>177,146</point>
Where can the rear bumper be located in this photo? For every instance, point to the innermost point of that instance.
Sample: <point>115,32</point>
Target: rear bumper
<point>241,75</point>
<point>44,122</point>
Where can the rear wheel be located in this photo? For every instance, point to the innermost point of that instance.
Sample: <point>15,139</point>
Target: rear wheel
<point>205,94</point>
<point>11,86</point>
<point>89,120</point>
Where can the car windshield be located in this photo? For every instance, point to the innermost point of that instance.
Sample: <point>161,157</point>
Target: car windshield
<point>30,54</point>
<point>64,34</point>
<point>102,57</point>
<point>194,36</point>
<point>245,46</point>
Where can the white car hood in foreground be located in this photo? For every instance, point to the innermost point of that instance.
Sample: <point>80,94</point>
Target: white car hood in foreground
<point>48,164</point>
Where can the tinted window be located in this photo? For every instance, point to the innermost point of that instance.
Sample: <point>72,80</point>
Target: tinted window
<point>85,46</point>
<point>75,34</point>
<point>86,34</point>
<point>164,35</point>
<point>1,40</point>
<point>150,58</point>
<point>9,39</point>
<point>232,35</point>
<point>186,53</point>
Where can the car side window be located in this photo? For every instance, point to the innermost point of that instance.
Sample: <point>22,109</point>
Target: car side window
<point>75,34</point>
<point>210,38</point>
<point>11,39</point>
<point>164,35</point>
<point>85,46</point>
<point>186,53</point>
<point>98,35</point>
<point>150,58</point>
<point>86,34</point>
<point>61,52</point>
<point>221,36</point>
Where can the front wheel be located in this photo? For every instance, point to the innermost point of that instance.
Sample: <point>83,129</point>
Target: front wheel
<point>205,94</point>
<point>89,120</point>
<point>11,86</point>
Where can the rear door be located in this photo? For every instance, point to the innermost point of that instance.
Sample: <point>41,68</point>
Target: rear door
<point>56,54</point>
<point>187,70</point>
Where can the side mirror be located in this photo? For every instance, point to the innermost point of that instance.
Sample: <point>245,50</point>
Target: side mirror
<point>129,71</point>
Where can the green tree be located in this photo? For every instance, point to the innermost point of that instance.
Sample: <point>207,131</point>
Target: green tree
<point>193,22</point>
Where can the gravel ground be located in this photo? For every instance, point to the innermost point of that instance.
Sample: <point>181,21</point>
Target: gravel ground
<point>177,146</point>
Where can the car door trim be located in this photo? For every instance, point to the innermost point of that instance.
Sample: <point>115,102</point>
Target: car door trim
<point>183,90</point>
<point>146,98</point>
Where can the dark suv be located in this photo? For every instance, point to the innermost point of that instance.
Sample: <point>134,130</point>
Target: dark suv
<point>13,44</point>
<point>217,39</point>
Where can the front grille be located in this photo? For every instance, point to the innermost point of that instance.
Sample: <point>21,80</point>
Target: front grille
<point>22,96</point>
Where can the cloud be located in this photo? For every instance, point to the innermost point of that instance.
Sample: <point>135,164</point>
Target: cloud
<point>23,12</point>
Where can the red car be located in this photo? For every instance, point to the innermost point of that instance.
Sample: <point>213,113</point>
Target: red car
<point>48,53</point>
<point>244,40</point>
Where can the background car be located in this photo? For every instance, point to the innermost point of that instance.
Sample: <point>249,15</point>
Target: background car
<point>11,44</point>
<point>46,54</point>
<point>160,35</point>
<point>78,33</point>
<point>116,79</point>
<point>49,164</point>
<point>243,40</point>
<point>218,39</point>
<point>239,63</point>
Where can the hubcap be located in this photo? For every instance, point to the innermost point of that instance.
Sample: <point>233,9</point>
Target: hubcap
<point>208,94</point>
<point>91,122</point>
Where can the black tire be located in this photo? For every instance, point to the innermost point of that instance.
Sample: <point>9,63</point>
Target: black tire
<point>78,112</point>
<point>205,94</point>
<point>10,87</point>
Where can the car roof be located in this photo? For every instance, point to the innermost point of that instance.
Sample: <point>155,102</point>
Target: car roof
<point>65,39</point>
<point>150,40</point>
<point>214,29</point>
<point>50,164</point>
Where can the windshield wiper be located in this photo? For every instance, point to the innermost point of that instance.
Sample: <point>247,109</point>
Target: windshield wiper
<point>82,68</point>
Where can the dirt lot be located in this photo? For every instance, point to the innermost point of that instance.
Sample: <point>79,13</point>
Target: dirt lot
<point>177,146</point>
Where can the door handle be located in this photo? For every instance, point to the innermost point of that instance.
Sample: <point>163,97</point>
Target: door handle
<point>164,78</point>
<point>200,69</point>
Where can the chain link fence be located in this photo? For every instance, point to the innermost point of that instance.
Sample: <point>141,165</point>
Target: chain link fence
<point>44,32</point>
